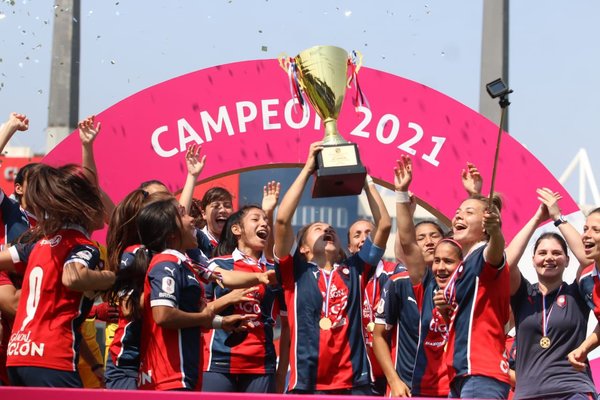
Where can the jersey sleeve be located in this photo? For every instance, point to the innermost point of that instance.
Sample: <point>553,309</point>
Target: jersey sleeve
<point>284,270</point>
<point>20,255</point>
<point>164,290</point>
<point>370,253</point>
<point>15,220</point>
<point>84,254</point>
<point>520,296</point>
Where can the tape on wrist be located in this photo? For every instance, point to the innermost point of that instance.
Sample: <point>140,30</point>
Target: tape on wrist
<point>217,322</point>
<point>402,197</point>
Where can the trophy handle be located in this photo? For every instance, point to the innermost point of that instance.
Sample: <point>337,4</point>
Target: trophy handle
<point>284,62</point>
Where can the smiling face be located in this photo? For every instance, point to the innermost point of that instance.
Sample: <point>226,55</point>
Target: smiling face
<point>357,234</point>
<point>446,259</point>
<point>467,224</point>
<point>252,232</point>
<point>550,259</point>
<point>591,236</point>
<point>428,235</point>
<point>216,213</point>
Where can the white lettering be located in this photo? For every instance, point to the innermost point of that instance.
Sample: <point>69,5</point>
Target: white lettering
<point>267,114</point>
<point>156,145</point>
<point>217,126</point>
<point>182,127</point>
<point>289,106</point>
<point>242,117</point>
<point>393,132</point>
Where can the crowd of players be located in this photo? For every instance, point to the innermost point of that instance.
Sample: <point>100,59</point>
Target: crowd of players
<point>192,290</point>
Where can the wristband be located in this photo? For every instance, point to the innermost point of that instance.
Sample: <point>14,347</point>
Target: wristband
<point>561,220</point>
<point>217,322</point>
<point>402,197</point>
<point>96,367</point>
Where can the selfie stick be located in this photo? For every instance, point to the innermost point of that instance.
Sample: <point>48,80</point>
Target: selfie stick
<point>492,89</point>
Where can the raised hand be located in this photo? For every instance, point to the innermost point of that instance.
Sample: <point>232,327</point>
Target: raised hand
<point>491,220</point>
<point>18,122</point>
<point>88,130</point>
<point>403,173</point>
<point>270,196</point>
<point>193,161</point>
<point>471,179</point>
<point>311,160</point>
<point>550,199</point>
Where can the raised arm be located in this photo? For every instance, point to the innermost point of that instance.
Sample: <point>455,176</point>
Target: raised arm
<point>407,237</point>
<point>269,202</point>
<point>284,234</point>
<point>517,246</point>
<point>572,237</point>
<point>15,122</point>
<point>494,252</point>
<point>195,165</point>
<point>88,131</point>
<point>381,217</point>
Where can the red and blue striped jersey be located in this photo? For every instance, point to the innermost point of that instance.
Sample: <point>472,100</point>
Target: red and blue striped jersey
<point>476,335</point>
<point>256,354</point>
<point>430,377</point>
<point>46,330</point>
<point>125,347</point>
<point>589,286</point>
<point>14,219</point>
<point>371,298</point>
<point>171,358</point>
<point>400,311</point>
<point>335,358</point>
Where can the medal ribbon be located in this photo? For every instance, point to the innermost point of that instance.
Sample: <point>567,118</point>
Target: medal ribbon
<point>546,318</point>
<point>328,278</point>
<point>371,303</point>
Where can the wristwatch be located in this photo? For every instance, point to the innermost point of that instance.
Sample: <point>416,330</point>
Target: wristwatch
<point>561,220</point>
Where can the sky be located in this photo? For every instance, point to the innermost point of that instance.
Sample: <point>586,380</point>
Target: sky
<point>129,45</point>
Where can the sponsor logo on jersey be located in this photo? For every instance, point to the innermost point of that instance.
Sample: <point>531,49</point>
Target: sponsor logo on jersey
<point>53,242</point>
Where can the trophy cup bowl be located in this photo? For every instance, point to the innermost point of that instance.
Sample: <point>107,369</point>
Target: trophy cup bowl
<point>322,73</point>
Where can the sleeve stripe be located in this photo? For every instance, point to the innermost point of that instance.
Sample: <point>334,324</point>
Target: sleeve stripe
<point>14,254</point>
<point>162,302</point>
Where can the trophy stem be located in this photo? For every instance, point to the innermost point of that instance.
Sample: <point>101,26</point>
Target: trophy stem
<point>332,135</point>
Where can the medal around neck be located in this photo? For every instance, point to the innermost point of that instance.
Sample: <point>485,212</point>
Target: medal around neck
<point>319,76</point>
<point>325,323</point>
<point>545,342</point>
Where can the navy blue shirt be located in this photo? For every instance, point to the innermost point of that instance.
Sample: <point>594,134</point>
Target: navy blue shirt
<point>545,372</point>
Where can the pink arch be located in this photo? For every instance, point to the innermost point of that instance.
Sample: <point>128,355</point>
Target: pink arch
<point>242,115</point>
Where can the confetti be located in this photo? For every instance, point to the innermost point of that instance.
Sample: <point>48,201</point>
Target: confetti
<point>263,48</point>
<point>113,62</point>
<point>2,15</point>
<point>40,91</point>
<point>347,13</point>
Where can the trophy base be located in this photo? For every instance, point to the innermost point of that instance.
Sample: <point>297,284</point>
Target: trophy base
<point>339,172</point>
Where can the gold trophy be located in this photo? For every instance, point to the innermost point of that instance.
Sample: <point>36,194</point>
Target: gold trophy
<point>321,73</point>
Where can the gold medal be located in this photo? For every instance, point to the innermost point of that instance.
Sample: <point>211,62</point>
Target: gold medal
<point>545,342</point>
<point>371,326</point>
<point>325,323</point>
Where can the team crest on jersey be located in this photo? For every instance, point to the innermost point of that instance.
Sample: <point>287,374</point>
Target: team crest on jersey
<point>168,285</point>
<point>561,301</point>
<point>53,242</point>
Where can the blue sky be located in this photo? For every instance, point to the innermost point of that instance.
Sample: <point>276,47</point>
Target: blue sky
<point>129,45</point>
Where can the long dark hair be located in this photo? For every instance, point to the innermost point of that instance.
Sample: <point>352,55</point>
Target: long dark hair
<point>158,225</point>
<point>122,229</point>
<point>129,282</point>
<point>64,195</point>
<point>228,241</point>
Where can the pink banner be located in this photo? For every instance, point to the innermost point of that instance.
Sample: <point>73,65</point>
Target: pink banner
<point>243,116</point>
